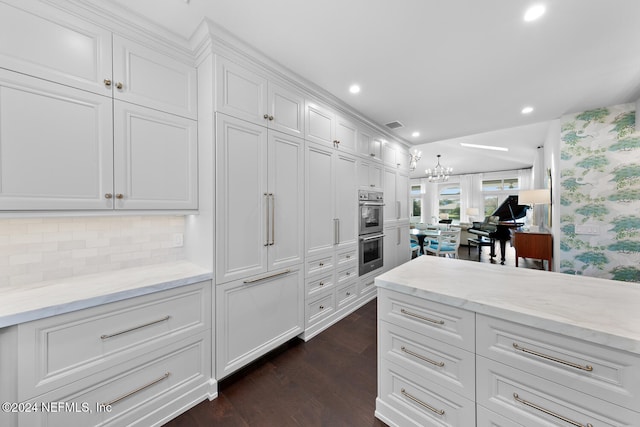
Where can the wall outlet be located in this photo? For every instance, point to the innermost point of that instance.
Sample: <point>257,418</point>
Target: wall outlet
<point>178,240</point>
<point>587,229</point>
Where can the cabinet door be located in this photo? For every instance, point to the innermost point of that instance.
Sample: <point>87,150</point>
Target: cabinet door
<point>402,195</point>
<point>286,110</point>
<point>346,200</point>
<point>147,77</point>
<point>389,249</point>
<point>346,135</point>
<point>364,142</point>
<point>286,200</point>
<point>403,249</point>
<point>320,208</point>
<point>320,124</point>
<point>376,149</point>
<point>156,159</point>
<point>254,316</point>
<point>389,154</point>
<point>56,146</point>
<point>241,93</point>
<point>391,210</point>
<point>241,199</point>
<point>58,48</point>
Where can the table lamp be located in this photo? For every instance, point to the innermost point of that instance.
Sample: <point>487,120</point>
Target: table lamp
<point>472,213</point>
<point>533,198</point>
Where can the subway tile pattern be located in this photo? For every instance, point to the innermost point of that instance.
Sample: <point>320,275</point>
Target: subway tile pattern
<point>37,249</point>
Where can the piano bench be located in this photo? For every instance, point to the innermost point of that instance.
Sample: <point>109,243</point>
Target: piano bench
<point>478,242</point>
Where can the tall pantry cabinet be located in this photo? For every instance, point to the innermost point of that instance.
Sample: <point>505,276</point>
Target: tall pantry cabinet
<point>259,216</point>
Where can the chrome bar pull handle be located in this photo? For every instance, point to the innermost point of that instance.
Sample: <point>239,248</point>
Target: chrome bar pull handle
<point>135,328</point>
<point>139,389</point>
<point>269,276</point>
<point>273,219</point>
<point>398,209</point>
<point>421,403</point>
<point>417,316</point>
<point>587,368</point>
<point>548,412</point>
<point>421,357</point>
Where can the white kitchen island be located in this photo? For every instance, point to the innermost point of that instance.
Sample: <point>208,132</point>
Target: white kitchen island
<point>463,344</point>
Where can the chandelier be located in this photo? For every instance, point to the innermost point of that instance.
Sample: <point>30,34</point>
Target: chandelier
<point>438,173</point>
<point>413,162</point>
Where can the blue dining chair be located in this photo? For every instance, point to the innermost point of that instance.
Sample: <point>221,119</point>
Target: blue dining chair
<point>446,243</point>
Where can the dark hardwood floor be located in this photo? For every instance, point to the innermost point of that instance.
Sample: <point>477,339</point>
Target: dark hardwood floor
<point>330,380</point>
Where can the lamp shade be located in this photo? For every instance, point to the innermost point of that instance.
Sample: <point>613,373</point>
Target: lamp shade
<point>534,197</point>
<point>473,211</point>
<point>444,216</point>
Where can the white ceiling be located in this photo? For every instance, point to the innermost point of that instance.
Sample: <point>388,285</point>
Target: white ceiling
<point>445,68</point>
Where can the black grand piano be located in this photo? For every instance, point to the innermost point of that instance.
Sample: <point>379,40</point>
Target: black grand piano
<point>499,224</point>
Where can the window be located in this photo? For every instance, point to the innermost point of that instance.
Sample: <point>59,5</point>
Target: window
<point>416,203</point>
<point>449,201</point>
<point>495,192</point>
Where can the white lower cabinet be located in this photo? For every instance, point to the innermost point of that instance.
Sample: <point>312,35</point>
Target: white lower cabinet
<point>255,315</point>
<point>443,366</point>
<point>139,361</point>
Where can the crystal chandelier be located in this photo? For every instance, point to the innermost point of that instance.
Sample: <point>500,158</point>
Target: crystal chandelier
<point>438,173</point>
<point>413,162</point>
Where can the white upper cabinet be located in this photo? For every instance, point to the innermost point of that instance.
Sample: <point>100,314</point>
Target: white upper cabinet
<point>250,96</point>
<point>326,127</point>
<point>39,40</point>
<point>369,175</point>
<point>156,156</point>
<point>147,77</point>
<point>346,135</point>
<point>320,200</point>
<point>368,145</point>
<point>259,199</point>
<point>56,146</point>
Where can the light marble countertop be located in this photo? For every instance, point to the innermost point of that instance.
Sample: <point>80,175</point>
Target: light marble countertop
<point>31,302</point>
<point>602,311</point>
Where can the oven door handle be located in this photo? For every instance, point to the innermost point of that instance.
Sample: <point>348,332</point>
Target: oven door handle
<point>371,204</point>
<point>366,239</point>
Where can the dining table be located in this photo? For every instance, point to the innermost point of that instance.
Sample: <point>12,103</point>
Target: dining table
<point>421,234</point>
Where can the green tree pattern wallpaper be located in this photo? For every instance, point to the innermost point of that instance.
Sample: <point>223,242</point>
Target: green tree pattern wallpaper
<point>600,186</point>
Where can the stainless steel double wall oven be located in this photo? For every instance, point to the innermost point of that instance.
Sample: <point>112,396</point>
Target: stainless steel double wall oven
<point>370,230</point>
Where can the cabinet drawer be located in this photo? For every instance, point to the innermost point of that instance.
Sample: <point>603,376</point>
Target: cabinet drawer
<point>424,403</point>
<point>58,350</point>
<point>487,418</point>
<point>347,257</point>
<point>347,293</point>
<point>320,308</point>
<point>534,401</point>
<point>603,372</point>
<point>432,360</point>
<point>367,285</point>
<point>319,265</point>
<point>347,274</point>
<point>131,392</point>
<point>320,284</point>
<point>445,323</point>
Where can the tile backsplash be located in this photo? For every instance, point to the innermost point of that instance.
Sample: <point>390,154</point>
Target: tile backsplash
<point>37,249</point>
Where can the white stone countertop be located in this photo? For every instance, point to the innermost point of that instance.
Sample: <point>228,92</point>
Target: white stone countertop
<point>31,302</point>
<point>601,311</point>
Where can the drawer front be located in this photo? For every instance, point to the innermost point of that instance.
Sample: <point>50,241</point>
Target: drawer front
<point>602,372</point>
<point>320,308</point>
<point>346,274</point>
<point>319,284</point>
<point>347,257</point>
<point>60,349</point>
<point>442,322</point>
<point>432,360</point>
<point>347,294</point>
<point>129,394</point>
<point>487,418</point>
<point>367,285</point>
<point>319,265</point>
<point>534,401</point>
<point>424,403</point>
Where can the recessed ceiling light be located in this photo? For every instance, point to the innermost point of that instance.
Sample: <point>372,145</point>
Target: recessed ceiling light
<point>527,110</point>
<point>534,12</point>
<point>484,147</point>
<point>415,134</point>
<point>354,89</point>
